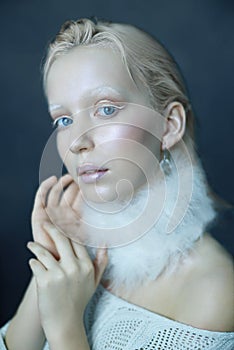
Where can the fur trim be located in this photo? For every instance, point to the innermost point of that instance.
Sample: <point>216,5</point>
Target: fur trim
<point>187,210</point>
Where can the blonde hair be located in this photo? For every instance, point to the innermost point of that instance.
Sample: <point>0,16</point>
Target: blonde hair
<point>145,58</point>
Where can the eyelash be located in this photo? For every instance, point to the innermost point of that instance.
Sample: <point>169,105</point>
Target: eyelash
<point>116,109</point>
<point>57,120</point>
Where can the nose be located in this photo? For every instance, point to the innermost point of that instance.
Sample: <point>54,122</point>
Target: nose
<point>81,144</point>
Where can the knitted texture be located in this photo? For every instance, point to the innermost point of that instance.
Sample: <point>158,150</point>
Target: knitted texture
<point>114,324</point>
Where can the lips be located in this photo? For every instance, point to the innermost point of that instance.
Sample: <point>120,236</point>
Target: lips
<point>90,173</point>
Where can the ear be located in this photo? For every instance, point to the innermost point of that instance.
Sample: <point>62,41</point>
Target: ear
<point>175,123</point>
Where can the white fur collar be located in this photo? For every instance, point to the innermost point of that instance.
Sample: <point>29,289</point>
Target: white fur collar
<point>148,254</point>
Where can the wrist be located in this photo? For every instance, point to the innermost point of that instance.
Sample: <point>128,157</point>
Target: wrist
<point>70,339</point>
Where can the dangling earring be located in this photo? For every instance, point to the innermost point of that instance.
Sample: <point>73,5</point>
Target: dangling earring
<point>165,163</point>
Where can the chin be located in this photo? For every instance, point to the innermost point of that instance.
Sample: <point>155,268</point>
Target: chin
<point>111,192</point>
<point>97,194</point>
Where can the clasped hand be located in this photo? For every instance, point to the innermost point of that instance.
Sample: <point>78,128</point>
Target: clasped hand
<point>66,277</point>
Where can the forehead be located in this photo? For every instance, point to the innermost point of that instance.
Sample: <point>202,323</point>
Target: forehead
<point>87,69</point>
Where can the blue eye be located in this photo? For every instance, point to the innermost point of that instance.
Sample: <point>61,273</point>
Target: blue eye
<point>62,122</point>
<point>106,110</point>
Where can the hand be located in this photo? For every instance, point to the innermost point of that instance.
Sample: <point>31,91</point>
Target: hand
<point>55,205</point>
<point>65,286</point>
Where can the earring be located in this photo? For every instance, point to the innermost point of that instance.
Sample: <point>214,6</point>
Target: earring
<point>165,163</point>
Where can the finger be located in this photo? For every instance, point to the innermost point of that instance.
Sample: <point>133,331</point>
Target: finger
<point>69,195</point>
<point>100,264</point>
<point>40,236</point>
<point>77,203</point>
<point>80,251</point>
<point>37,268</point>
<point>42,192</point>
<point>43,255</point>
<point>58,189</point>
<point>62,243</point>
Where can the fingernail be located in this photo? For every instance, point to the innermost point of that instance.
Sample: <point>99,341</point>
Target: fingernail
<point>53,177</point>
<point>31,261</point>
<point>31,246</point>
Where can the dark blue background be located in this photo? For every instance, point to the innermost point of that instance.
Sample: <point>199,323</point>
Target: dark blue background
<point>200,35</point>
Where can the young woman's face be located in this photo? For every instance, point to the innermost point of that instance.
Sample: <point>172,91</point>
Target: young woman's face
<point>102,119</point>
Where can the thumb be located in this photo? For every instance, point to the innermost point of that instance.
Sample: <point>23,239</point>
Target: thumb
<point>100,263</point>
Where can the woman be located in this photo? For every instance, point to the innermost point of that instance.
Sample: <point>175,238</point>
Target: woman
<point>122,256</point>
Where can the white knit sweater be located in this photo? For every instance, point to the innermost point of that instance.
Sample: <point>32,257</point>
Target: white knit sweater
<point>114,324</point>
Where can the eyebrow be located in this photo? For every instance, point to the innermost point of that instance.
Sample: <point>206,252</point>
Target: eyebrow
<point>99,91</point>
<point>104,89</point>
<point>54,107</point>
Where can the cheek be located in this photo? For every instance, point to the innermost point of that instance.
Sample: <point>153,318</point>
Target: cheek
<point>131,148</point>
<point>131,139</point>
<point>63,145</point>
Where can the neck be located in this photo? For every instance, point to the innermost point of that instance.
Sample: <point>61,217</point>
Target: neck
<point>155,230</point>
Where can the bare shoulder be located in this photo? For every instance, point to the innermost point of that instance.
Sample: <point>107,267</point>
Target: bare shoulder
<point>207,297</point>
